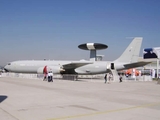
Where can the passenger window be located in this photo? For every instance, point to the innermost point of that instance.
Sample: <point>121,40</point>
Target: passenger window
<point>9,63</point>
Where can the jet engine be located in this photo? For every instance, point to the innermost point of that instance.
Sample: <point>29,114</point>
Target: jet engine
<point>54,69</point>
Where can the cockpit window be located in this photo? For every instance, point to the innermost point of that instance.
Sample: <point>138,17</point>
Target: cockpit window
<point>9,63</point>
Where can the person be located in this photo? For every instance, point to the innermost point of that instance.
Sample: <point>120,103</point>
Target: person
<point>50,76</point>
<point>105,78</point>
<point>120,78</point>
<point>45,73</point>
<point>45,77</point>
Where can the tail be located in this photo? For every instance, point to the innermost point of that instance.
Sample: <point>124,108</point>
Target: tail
<point>131,54</point>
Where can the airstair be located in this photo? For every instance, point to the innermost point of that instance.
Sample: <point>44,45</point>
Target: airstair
<point>115,75</point>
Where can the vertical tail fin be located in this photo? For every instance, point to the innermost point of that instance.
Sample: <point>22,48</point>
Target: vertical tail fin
<point>131,54</point>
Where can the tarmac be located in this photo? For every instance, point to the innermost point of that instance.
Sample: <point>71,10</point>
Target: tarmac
<point>34,99</point>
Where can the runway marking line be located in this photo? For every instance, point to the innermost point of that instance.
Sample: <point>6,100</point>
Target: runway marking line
<point>104,112</point>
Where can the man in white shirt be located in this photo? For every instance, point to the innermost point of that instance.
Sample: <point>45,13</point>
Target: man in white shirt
<point>50,76</point>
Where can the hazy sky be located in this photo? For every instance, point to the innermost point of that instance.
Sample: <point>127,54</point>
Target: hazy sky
<point>53,29</point>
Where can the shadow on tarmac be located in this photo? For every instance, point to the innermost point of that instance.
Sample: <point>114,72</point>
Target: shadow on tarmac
<point>2,98</point>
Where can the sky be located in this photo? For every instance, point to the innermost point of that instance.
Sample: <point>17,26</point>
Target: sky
<point>53,29</point>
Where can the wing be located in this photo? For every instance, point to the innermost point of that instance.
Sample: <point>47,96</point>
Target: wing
<point>75,64</point>
<point>68,68</point>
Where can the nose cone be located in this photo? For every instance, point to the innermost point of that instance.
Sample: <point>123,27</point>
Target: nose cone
<point>7,68</point>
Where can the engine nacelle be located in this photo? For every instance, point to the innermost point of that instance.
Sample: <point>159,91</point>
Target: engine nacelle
<point>54,69</point>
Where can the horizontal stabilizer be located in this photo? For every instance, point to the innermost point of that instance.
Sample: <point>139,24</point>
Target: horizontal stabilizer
<point>136,64</point>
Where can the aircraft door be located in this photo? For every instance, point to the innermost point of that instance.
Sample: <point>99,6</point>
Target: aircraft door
<point>112,66</point>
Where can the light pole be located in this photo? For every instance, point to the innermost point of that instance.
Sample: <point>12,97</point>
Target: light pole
<point>157,68</point>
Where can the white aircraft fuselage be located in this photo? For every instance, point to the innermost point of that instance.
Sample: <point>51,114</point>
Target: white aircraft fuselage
<point>36,66</point>
<point>129,59</point>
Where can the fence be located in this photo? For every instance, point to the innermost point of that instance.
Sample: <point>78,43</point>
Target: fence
<point>74,77</point>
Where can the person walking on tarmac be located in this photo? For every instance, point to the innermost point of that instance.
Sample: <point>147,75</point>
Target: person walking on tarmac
<point>45,77</point>
<point>51,75</point>
<point>105,78</point>
<point>45,73</point>
<point>120,78</point>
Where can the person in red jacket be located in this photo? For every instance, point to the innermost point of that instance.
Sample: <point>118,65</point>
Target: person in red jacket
<point>45,73</point>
